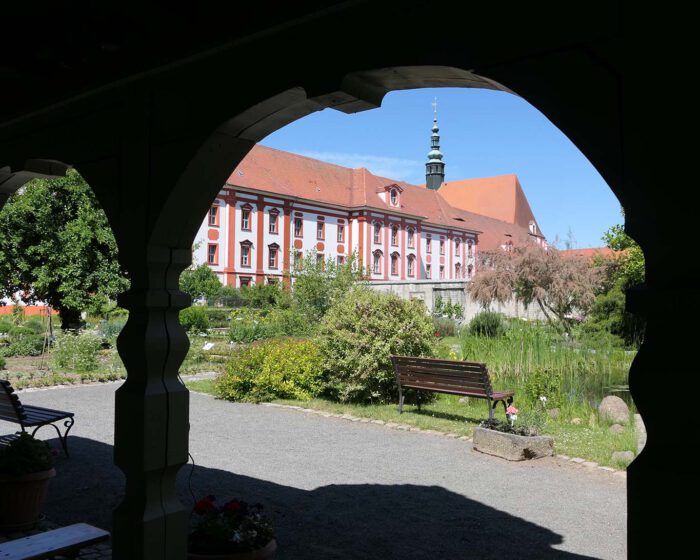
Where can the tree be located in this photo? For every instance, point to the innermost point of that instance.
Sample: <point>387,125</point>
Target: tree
<point>56,246</point>
<point>629,264</point>
<point>530,274</point>
<point>200,282</point>
<point>317,283</point>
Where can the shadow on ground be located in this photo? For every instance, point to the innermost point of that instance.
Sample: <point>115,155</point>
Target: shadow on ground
<point>359,522</point>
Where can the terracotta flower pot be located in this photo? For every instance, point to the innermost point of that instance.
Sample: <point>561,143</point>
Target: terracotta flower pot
<point>22,498</point>
<point>264,553</point>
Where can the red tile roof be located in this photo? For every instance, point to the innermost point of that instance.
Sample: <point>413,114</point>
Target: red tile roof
<point>294,176</point>
<point>589,252</point>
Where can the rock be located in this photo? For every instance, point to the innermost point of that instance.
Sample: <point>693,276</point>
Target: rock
<point>554,413</point>
<point>576,421</point>
<point>614,409</point>
<point>623,457</point>
<point>592,420</point>
<point>464,399</point>
<point>616,429</point>
<point>511,446</point>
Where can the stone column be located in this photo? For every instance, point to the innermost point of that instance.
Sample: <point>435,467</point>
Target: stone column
<point>152,411</point>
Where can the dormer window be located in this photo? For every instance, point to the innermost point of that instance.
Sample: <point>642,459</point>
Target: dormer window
<point>532,227</point>
<point>394,197</point>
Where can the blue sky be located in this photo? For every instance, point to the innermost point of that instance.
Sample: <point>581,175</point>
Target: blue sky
<point>482,133</point>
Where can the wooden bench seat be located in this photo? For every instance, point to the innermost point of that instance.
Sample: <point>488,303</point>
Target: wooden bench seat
<point>454,377</point>
<point>27,416</point>
<point>66,541</point>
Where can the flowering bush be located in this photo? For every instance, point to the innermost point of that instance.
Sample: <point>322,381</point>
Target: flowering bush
<point>235,526</point>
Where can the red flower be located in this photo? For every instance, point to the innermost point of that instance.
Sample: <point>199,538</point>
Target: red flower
<point>205,505</point>
<point>233,506</point>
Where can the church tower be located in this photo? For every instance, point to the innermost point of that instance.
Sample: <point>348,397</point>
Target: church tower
<point>435,167</point>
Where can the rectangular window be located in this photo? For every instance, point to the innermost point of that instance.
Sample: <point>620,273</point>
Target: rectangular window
<point>340,261</point>
<point>469,248</point>
<point>377,233</point>
<point>394,235</point>
<point>394,265</point>
<point>298,227</point>
<point>271,280</point>
<point>273,222</point>
<point>341,233</point>
<point>245,219</point>
<point>213,254</point>
<point>457,244</point>
<point>214,215</point>
<point>442,246</point>
<point>410,266</point>
<point>428,271</point>
<point>320,230</point>
<point>409,234</point>
<point>320,261</point>
<point>245,255</point>
<point>272,258</point>
<point>442,273</point>
<point>298,257</point>
<point>428,244</point>
<point>245,281</point>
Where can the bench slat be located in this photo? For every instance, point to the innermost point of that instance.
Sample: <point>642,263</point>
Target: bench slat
<point>65,540</point>
<point>478,377</point>
<point>439,367</point>
<point>465,392</point>
<point>37,415</point>
<point>442,379</point>
<point>434,360</point>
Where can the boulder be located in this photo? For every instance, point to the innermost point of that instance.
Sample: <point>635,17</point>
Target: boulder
<point>616,429</point>
<point>614,409</point>
<point>623,457</point>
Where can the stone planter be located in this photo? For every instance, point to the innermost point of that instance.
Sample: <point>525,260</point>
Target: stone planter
<point>22,498</point>
<point>265,553</point>
<point>511,446</point>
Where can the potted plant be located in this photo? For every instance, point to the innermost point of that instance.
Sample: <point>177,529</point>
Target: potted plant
<point>26,466</point>
<point>233,531</point>
<point>511,440</point>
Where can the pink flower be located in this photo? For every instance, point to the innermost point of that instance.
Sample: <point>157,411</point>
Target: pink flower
<point>205,505</point>
<point>511,410</point>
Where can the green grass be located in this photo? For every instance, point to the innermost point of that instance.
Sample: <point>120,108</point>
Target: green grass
<point>588,440</point>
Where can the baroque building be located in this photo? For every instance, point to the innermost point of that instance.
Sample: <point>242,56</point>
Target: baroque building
<point>277,208</point>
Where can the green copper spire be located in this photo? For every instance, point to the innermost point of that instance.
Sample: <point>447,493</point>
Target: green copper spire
<point>435,167</point>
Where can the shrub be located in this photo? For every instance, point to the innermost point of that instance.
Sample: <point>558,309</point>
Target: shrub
<point>487,323</point>
<point>359,334</point>
<point>23,343</point>
<point>247,325</point>
<point>77,352</point>
<point>543,383</point>
<point>35,325</point>
<point>289,322</point>
<point>5,327</point>
<point>2,362</point>
<point>194,319</point>
<point>444,327</point>
<point>218,317</point>
<point>112,327</point>
<point>276,368</point>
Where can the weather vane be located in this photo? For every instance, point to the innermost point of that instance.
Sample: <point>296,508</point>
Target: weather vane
<point>435,107</point>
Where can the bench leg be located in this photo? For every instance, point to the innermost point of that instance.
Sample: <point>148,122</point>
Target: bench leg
<point>400,400</point>
<point>491,407</point>
<point>62,438</point>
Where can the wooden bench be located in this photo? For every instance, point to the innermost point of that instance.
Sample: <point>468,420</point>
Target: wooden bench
<point>447,376</point>
<point>12,410</point>
<point>66,541</point>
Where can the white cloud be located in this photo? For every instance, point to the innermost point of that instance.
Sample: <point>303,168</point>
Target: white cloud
<point>408,170</point>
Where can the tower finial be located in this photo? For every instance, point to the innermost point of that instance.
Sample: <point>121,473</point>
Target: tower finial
<point>435,168</point>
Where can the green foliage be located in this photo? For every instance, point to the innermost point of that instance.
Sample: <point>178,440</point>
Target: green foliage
<point>630,262</point>
<point>5,327</point>
<point>23,342</point>
<point>77,352</point>
<point>25,455</point>
<point>55,240</point>
<point>249,324</point>
<point>447,309</point>
<point>111,328</point>
<point>200,282</point>
<point>358,335</point>
<point>543,383</point>
<point>487,323</point>
<point>609,323</point>
<point>318,284</point>
<point>35,326</point>
<point>2,362</point>
<point>218,317</point>
<point>444,327</point>
<point>195,319</point>
<point>276,368</point>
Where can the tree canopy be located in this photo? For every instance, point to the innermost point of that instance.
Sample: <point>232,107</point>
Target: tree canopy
<point>200,282</point>
<point>56,246</point>
<point>560,286</point>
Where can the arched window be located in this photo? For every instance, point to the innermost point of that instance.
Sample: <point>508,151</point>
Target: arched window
<point>395,235</point>
<point>428,243</point>
<point>274,219</point>
<point>470,248</point>
<point>394,264</point>
<point>377,232</point>
<point>458,243</point>
<point>394,197</point>
<point>377,262</point>
<point>411,266</point>
<point>409,235</point>
<point>272,256</point>
<point>458,270</point>
<point>470,269</point>
<point>246,249</point>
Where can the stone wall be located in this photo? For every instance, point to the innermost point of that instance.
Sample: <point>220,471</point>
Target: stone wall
<point>454,292</point>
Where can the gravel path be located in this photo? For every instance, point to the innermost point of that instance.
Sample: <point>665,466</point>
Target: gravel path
<point>351,490</point>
